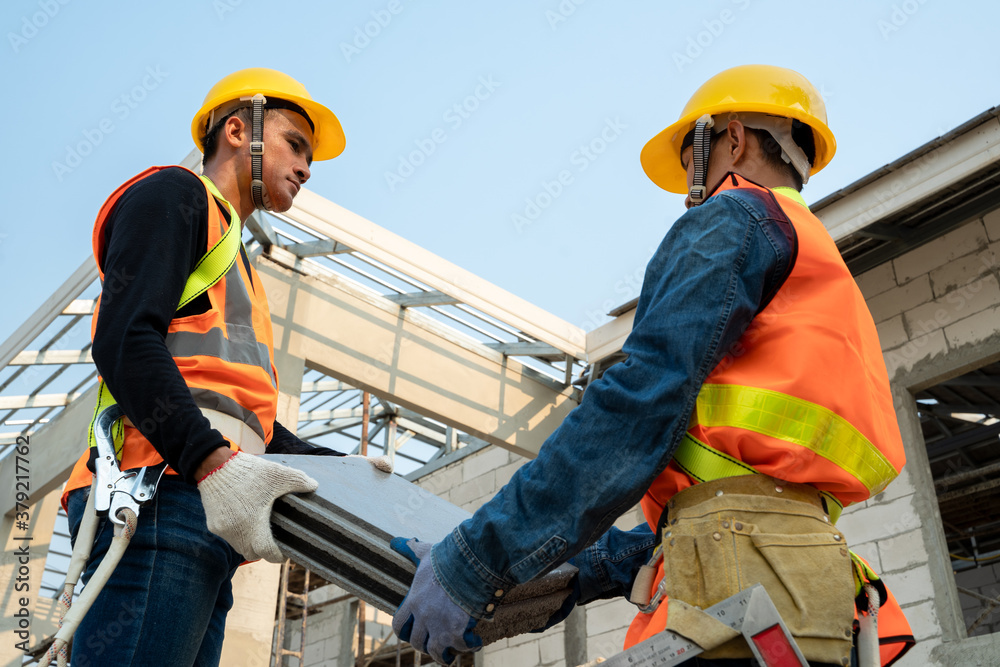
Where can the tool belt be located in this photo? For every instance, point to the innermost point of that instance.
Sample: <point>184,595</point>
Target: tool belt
<point>723,536</point>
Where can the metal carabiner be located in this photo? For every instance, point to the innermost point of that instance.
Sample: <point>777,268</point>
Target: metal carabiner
<point>117,490</point>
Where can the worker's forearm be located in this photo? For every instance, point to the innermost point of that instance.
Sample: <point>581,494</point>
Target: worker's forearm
<point>211,462</point>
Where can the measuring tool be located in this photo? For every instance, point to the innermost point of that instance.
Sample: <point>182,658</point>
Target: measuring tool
<point>750,612</point>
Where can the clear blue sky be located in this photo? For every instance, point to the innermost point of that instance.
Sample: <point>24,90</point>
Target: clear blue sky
<point>123,80</point>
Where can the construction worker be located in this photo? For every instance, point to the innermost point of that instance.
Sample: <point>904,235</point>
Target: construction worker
<point>190,360</point>
<point>753,405</point>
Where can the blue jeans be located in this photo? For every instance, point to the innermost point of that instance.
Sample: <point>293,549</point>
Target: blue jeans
<point>166,602</point>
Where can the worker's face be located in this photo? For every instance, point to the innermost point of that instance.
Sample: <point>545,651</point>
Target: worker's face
<point>288,151</point>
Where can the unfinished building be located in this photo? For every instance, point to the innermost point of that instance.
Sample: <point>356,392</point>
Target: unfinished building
<point>382,345</point>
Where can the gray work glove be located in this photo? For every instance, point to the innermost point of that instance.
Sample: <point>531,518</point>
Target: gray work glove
<point>428,618</point>
<point>238,496</point>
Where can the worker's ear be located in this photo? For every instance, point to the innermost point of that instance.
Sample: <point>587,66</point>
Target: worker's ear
<point>235,132</point>
<point>734,144</point>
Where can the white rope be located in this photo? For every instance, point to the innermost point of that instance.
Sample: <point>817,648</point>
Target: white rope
<point>868,648</point>
<point>73,616</point>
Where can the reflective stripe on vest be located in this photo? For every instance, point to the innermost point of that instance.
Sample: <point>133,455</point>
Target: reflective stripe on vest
<point>798,422</point>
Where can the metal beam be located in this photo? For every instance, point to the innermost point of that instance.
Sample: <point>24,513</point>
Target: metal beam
<point>80,280</point>
<point>80,307</point>
<point>335,222</point>
<point>51,357</point>
<point>354,334</point>
<point>261,229</point>
<point>340,413</point>
<point>936,166</point>
<point>55,448</point>
<point>317,248</point>
<point>37,401</point>
<point>325,385</point>
<point>946,220</point>
<point>882,232</point>
<point>972,380</point>
<point>526,349</point>
<point>432,298</point>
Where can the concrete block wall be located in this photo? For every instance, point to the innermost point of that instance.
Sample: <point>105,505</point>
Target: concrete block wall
<point>982,580</point>
<point>935,304</point>
<point>940,298</point>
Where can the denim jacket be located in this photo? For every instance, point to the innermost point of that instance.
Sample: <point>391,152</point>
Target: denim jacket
<point>717,267</point>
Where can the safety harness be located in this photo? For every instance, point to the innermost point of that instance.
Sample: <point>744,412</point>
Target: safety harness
<point>119,494</point>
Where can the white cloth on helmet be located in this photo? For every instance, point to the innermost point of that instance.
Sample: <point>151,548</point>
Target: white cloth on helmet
<point>779,128</point>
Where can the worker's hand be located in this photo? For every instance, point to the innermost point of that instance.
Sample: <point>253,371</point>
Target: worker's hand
<point>428,618</point>
<point>568,605</point>
<point>238,496</point>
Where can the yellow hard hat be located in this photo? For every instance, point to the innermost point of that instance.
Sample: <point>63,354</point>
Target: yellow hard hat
<point>748,88</point>
<point>328,136</point>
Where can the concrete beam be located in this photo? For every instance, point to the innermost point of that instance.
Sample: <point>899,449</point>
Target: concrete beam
<point>356,335</point>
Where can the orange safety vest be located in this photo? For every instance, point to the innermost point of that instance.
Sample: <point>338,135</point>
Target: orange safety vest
<point>803,396</point>
<point>225,355</point>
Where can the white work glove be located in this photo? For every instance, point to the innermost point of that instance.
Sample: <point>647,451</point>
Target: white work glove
<point>238,496</point>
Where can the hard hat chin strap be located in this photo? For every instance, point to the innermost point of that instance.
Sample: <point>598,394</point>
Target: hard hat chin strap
<point>257,188</point>
<point>702,146</point>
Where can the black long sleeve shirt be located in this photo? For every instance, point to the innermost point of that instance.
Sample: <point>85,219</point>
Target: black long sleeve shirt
<point>154,237</point>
